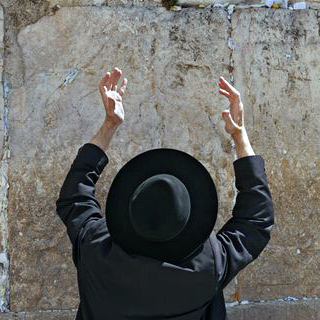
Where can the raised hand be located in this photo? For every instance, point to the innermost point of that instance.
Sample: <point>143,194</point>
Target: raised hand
<point>112,97</point>
<point>112,100</point>
<point>233,118</point>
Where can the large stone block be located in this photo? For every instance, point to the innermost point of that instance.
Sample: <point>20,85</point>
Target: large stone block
<point>50,315</point>
<point>276,57</point>
<point>3,183</point>
<point>170,60</point>
<point>315,4</point>
<point>294,310</point>
<point>75,3</point>
<point>1,83</point>
<point>10,316</point>
<point>40,315</point>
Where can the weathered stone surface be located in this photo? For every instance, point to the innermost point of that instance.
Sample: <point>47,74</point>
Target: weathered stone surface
<point>51,315</point>
<point>40,315</point>
<point>295,310</point>
<point>1,84</point>
<point>74,3</point>
<point>4,274</point>
<point>315,4</point>
<point>10,316</point>
<point>170,62</point>
<point>276,57</point>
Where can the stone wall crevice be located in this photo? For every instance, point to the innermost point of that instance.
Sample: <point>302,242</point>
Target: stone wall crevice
<point>230,43</point>
<point>231,68</point>
<point>318,17</point>
<point>4,183</point>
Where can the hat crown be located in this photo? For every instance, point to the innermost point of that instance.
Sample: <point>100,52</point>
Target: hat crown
<point>159,208</point>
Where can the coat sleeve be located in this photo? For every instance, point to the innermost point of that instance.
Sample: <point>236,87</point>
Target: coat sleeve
<point>246,234</point>
<point>77,205</point>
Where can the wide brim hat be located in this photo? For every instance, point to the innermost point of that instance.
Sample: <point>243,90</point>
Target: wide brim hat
<point>203,204</point>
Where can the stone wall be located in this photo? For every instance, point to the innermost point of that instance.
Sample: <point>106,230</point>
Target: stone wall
<point>51,61</point>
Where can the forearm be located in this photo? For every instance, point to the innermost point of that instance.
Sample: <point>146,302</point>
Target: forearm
<point>86,168</point>
<point>253,210</point>
<point>247,233</point>
<point>77,201</point>
<point>104,136</point>
<point>242,144</point>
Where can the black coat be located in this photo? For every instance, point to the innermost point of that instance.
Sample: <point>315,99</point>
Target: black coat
<point>116,285</point>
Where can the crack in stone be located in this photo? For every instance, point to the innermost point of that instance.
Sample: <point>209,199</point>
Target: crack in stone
<point>318,18</point>
<point>4,185</point>
<point>161,126</point>
<point>231,46</point>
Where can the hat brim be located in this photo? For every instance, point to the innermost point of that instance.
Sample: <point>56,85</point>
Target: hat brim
<point>203,197</point>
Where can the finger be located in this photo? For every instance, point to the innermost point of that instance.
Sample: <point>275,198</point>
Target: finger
<point>123,87</point>
<point>228,119</point>
<point>222,83</point>
<point>104,80</point>
<point>115,76</point>
<point>111,79</point>
<point>108,82</point>
<point>225,85</point>
<point>224,92</point>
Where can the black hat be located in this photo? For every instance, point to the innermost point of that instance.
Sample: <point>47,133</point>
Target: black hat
<point>162,204</point>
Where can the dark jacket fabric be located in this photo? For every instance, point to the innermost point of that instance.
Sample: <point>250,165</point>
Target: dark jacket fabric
<point>116,285</point>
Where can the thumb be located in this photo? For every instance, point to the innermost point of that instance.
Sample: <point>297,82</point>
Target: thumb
<point>230,125</point>
<point>226,116</point>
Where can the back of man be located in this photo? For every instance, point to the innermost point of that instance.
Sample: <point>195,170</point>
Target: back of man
<point>117,284</point>
<point>139,287</point>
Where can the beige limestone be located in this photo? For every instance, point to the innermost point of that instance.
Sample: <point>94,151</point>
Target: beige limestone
<point>73,3</point>
<point>1,84</point>
<point>4,276</point>
<point>40,315</point>
<point>276,56</point>
<point>315,4</point>
<point>79,3</point>
<point>170,61</point>
<point>278,310</point>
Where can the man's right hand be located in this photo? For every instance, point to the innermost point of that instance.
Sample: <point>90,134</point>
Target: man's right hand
<point>234,119</point>
<point>112,100</point>
<point>112,97</point>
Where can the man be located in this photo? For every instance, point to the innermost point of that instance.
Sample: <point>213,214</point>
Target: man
<point>155,255</point>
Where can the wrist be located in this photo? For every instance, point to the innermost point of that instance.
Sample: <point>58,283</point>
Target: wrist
<point>242,144</point>
<point>240,138</point>
<point>107,124</point>
<point>104,136</point>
